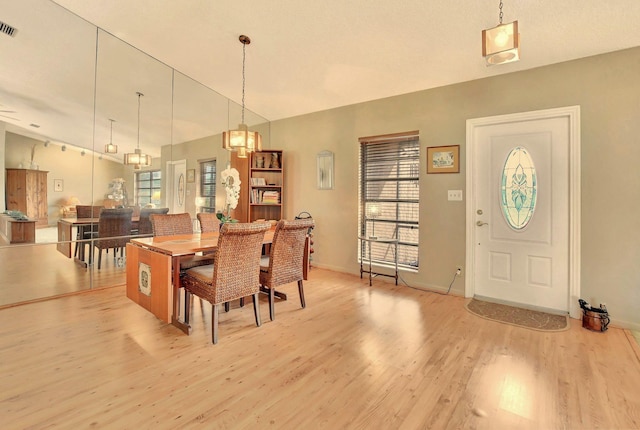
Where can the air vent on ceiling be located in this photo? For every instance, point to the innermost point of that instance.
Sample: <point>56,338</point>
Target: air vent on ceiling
<point>7,29</point>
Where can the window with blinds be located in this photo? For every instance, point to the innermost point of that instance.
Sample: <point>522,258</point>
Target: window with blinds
<point>389,197</point>
<point>148,187</point>
<point>207,186</point>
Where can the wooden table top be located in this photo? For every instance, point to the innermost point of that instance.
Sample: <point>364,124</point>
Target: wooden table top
<point>83,221</point>
<point>186,244</point>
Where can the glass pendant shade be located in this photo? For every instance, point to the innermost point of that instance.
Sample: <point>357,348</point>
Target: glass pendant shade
<point>138,158</point>
<point>501,44</point>
<point>234,140</point>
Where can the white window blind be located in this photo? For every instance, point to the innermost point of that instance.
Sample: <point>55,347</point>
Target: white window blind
<point>389,197</point>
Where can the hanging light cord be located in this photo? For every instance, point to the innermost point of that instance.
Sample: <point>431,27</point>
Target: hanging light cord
<point>111,135</point>
<point>139,95</point>
<point>244,46</point>
<point>500,16</point>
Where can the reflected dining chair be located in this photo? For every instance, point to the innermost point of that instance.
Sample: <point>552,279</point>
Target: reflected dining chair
<point>114,231</point>
<point>86,232</point>
<point>285,261</point>
<point>234,273</point>
<point>209,222</point>
<point>144,222</point>
<point>177,224</point>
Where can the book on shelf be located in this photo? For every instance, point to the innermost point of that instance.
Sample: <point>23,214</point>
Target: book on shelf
<point>258,182</point>
<point>265,197</point>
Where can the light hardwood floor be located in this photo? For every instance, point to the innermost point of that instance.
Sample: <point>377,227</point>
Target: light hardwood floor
<point>358,357</point>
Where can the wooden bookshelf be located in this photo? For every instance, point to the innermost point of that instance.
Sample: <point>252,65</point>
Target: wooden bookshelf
<point>262,189</point>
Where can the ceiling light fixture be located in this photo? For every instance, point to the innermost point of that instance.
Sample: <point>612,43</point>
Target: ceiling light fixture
<point>110,148</point>
<point>501,44</point>
<point>137,158</point>
<point>242,140</point>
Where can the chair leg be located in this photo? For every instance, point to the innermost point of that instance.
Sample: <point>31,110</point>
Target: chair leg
<point>301,291</point>
<point>226,306</point>
<point>187,306</point>
<point>241,301</point>
<point>256,309</point>
<point>214,323</point>
<point>272,307</point>
<point>99,258</point>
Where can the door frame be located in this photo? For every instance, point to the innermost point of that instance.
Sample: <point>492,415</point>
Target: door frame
<point>170,185</point>
<point>572,114</point>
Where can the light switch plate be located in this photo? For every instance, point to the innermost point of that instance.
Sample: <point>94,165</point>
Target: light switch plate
<point>454,195</point>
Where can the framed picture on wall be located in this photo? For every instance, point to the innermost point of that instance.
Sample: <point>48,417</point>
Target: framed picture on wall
<point>443,159</point>
<point>191,175</point>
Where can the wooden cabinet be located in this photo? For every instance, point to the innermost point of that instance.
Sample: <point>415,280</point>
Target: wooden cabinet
<point>262,189</point>
<point>26,191</point>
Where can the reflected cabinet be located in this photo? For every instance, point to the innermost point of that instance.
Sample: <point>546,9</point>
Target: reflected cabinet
<point>26,191</point>
<point>262,197</point>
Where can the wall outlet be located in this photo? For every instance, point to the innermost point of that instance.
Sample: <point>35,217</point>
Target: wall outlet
<point>459,271</point>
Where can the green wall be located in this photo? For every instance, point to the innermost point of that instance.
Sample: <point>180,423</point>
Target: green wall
<point>607,89</point>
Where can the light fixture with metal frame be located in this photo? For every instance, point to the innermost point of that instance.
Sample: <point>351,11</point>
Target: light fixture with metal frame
<point>137,158</point>
<point>501,44</point>
<point>110,148</point>
<point>242,140</point>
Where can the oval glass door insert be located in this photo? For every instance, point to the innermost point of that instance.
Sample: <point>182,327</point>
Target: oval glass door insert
<point>518,188</point>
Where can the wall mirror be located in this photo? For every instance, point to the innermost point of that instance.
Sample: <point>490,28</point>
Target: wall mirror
<point>325,170</point>
<point>70,84</point>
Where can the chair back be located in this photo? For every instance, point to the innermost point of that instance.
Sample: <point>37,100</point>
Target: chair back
<point>144,223</point>
<point>171,224</point>
<point>287,251</point>
<point>88,211</point>
<point>209,222</point>
<point>236,263</point>
<point>114,227</point>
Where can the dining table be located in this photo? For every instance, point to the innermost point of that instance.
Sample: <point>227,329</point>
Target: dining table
<point>153,270</point>
<point>65,235</point>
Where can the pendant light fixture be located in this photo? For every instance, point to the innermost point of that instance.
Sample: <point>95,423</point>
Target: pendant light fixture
<point>501,44</point>
<point>137,158</point>
<point>110,148</point>
<point>242,140</point>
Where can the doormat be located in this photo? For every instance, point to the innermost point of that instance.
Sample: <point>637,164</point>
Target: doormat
<point>527,318</point>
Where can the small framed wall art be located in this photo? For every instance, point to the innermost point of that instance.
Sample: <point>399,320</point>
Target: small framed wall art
<point>443,159</point>
<point>191,175</point>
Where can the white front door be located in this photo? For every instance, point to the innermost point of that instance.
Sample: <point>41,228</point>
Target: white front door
<point>519,209</point>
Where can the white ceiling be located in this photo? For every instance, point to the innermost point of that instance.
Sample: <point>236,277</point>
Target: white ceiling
<point>307,56</point>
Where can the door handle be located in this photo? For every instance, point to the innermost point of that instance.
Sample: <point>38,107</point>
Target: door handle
<point>480,223</point>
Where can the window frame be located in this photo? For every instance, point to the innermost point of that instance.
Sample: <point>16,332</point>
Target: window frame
<point>404,224</point>
<point>151,188</point>
<point>202,175</point>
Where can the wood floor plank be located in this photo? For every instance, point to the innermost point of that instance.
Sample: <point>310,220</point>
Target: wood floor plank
<point>356,357</point>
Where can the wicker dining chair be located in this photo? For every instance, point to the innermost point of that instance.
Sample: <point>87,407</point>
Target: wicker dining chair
<point>144,222</point>
<point>209,222</point>
<point>114,230</point>
<point>175,224</point>
<point>284,264</point>
<point>234,273</point>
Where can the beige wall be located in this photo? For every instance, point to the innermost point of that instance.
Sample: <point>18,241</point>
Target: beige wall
<point>85,177</point>
<point>607,89</point>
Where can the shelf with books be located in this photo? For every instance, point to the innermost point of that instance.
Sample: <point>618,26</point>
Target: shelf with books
<point>262,198</point>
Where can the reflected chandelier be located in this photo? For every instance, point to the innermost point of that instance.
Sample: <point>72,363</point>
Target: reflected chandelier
<point>110,148</point>
<point>137,158</point>
<point>242,140</point>
<point>501,44</point>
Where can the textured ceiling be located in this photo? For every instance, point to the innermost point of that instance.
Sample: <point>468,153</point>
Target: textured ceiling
<point>307,56</point>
